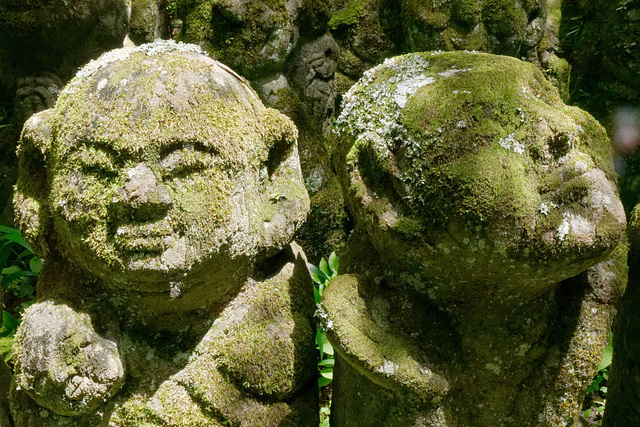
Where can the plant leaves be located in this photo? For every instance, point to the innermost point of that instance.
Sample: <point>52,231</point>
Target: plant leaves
<point>320,339</point>
<point>333,263</point>
<point>25,290</point>
<point>327,347</point>
<point>6,348</point>
<point>327,373</point>
<point>35,264</point>
<point>327,363</point>
<point>13,235</point>
<point>606,358</point>
<point>9,324</point>
<point>8,279</point>
<point>323,382</point>
<point>324,267</point>
<point>317,275</point>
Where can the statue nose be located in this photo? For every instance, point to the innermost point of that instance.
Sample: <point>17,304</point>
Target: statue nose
<point>144,195</point>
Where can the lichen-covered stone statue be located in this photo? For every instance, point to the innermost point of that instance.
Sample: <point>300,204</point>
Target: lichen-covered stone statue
<point>163,197</point>
<point>487,254</point>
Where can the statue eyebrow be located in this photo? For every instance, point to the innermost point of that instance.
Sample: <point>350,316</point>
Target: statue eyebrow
<point>177,145</point>
<point>103,146</point>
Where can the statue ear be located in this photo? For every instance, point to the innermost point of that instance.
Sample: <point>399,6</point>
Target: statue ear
<point>288,200</point>
<point>32,214</point>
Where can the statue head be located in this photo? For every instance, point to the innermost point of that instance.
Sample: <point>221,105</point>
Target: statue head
<point>159,165</point>
<point>489,25</point>
<point>255,37</point>
<point>468,170</point>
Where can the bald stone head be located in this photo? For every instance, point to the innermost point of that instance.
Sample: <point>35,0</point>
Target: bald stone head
<point>161,165</point>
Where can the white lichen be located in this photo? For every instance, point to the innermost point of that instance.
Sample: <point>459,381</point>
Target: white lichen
<point>510,143</point>
<point>545,207</point>
<point>564,227</point>
<point>150,49</point>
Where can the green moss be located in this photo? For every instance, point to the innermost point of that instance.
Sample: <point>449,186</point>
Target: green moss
<point>500,17</point>
<point>347,16</point>
<point>253,38</point>
<point>482,148</point>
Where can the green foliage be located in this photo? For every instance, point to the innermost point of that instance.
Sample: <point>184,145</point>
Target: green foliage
<point>19,269</point>
<point>322,275</point>
<point>597,390</point>
<point>3,117</point>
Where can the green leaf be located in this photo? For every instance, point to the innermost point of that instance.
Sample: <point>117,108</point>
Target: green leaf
<point>13,235</point>
<point>6,348</point>
<point>327,373</point>
<point>316,294</point>
<point>606,358</point>
<point>9,324</point>
<point>333,263</point>
<point>323,382</point>
<point>6,280</point>
<point>587,413</point>
<point>320,340</point>
<point>25,290</point>
<point>327,348</point>
<point>603,389</point>
<point>35,264</point>
<point>324,267</point>
<point>317,275</point>
<point>327,363</point>
<point>11,270</point>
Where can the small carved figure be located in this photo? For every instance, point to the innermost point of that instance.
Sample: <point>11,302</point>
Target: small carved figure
<point>171,293</point>
<point>495,224</point>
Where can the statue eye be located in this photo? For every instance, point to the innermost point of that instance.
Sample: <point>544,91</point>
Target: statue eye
<point>96,162</point>
<point>185,161</point>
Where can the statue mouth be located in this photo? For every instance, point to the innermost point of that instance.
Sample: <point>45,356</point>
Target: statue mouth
<point>151,238</point>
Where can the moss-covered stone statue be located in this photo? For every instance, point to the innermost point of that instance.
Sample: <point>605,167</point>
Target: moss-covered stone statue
<point>488,251</point>
<point>623,397</point>
<point>163,197</point>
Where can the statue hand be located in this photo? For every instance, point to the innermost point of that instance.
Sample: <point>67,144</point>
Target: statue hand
<point>63,363</point>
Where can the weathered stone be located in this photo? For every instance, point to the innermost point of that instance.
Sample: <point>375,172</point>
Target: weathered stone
<point>163,196</point>
<point>496,227</point>
<point>149,21</point>
<point>313,75</point>
<point>253,37</point>
<point>284,49</point>
<point>370,30</point>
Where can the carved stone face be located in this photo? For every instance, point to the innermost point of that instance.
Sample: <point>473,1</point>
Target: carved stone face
<point>501,26</point>
<point>163,169</point>
<point>467,168</point>
<point>254,37</point>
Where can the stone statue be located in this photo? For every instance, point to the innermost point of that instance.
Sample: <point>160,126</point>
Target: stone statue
<point>487,254</point>
<point>163,197</point>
